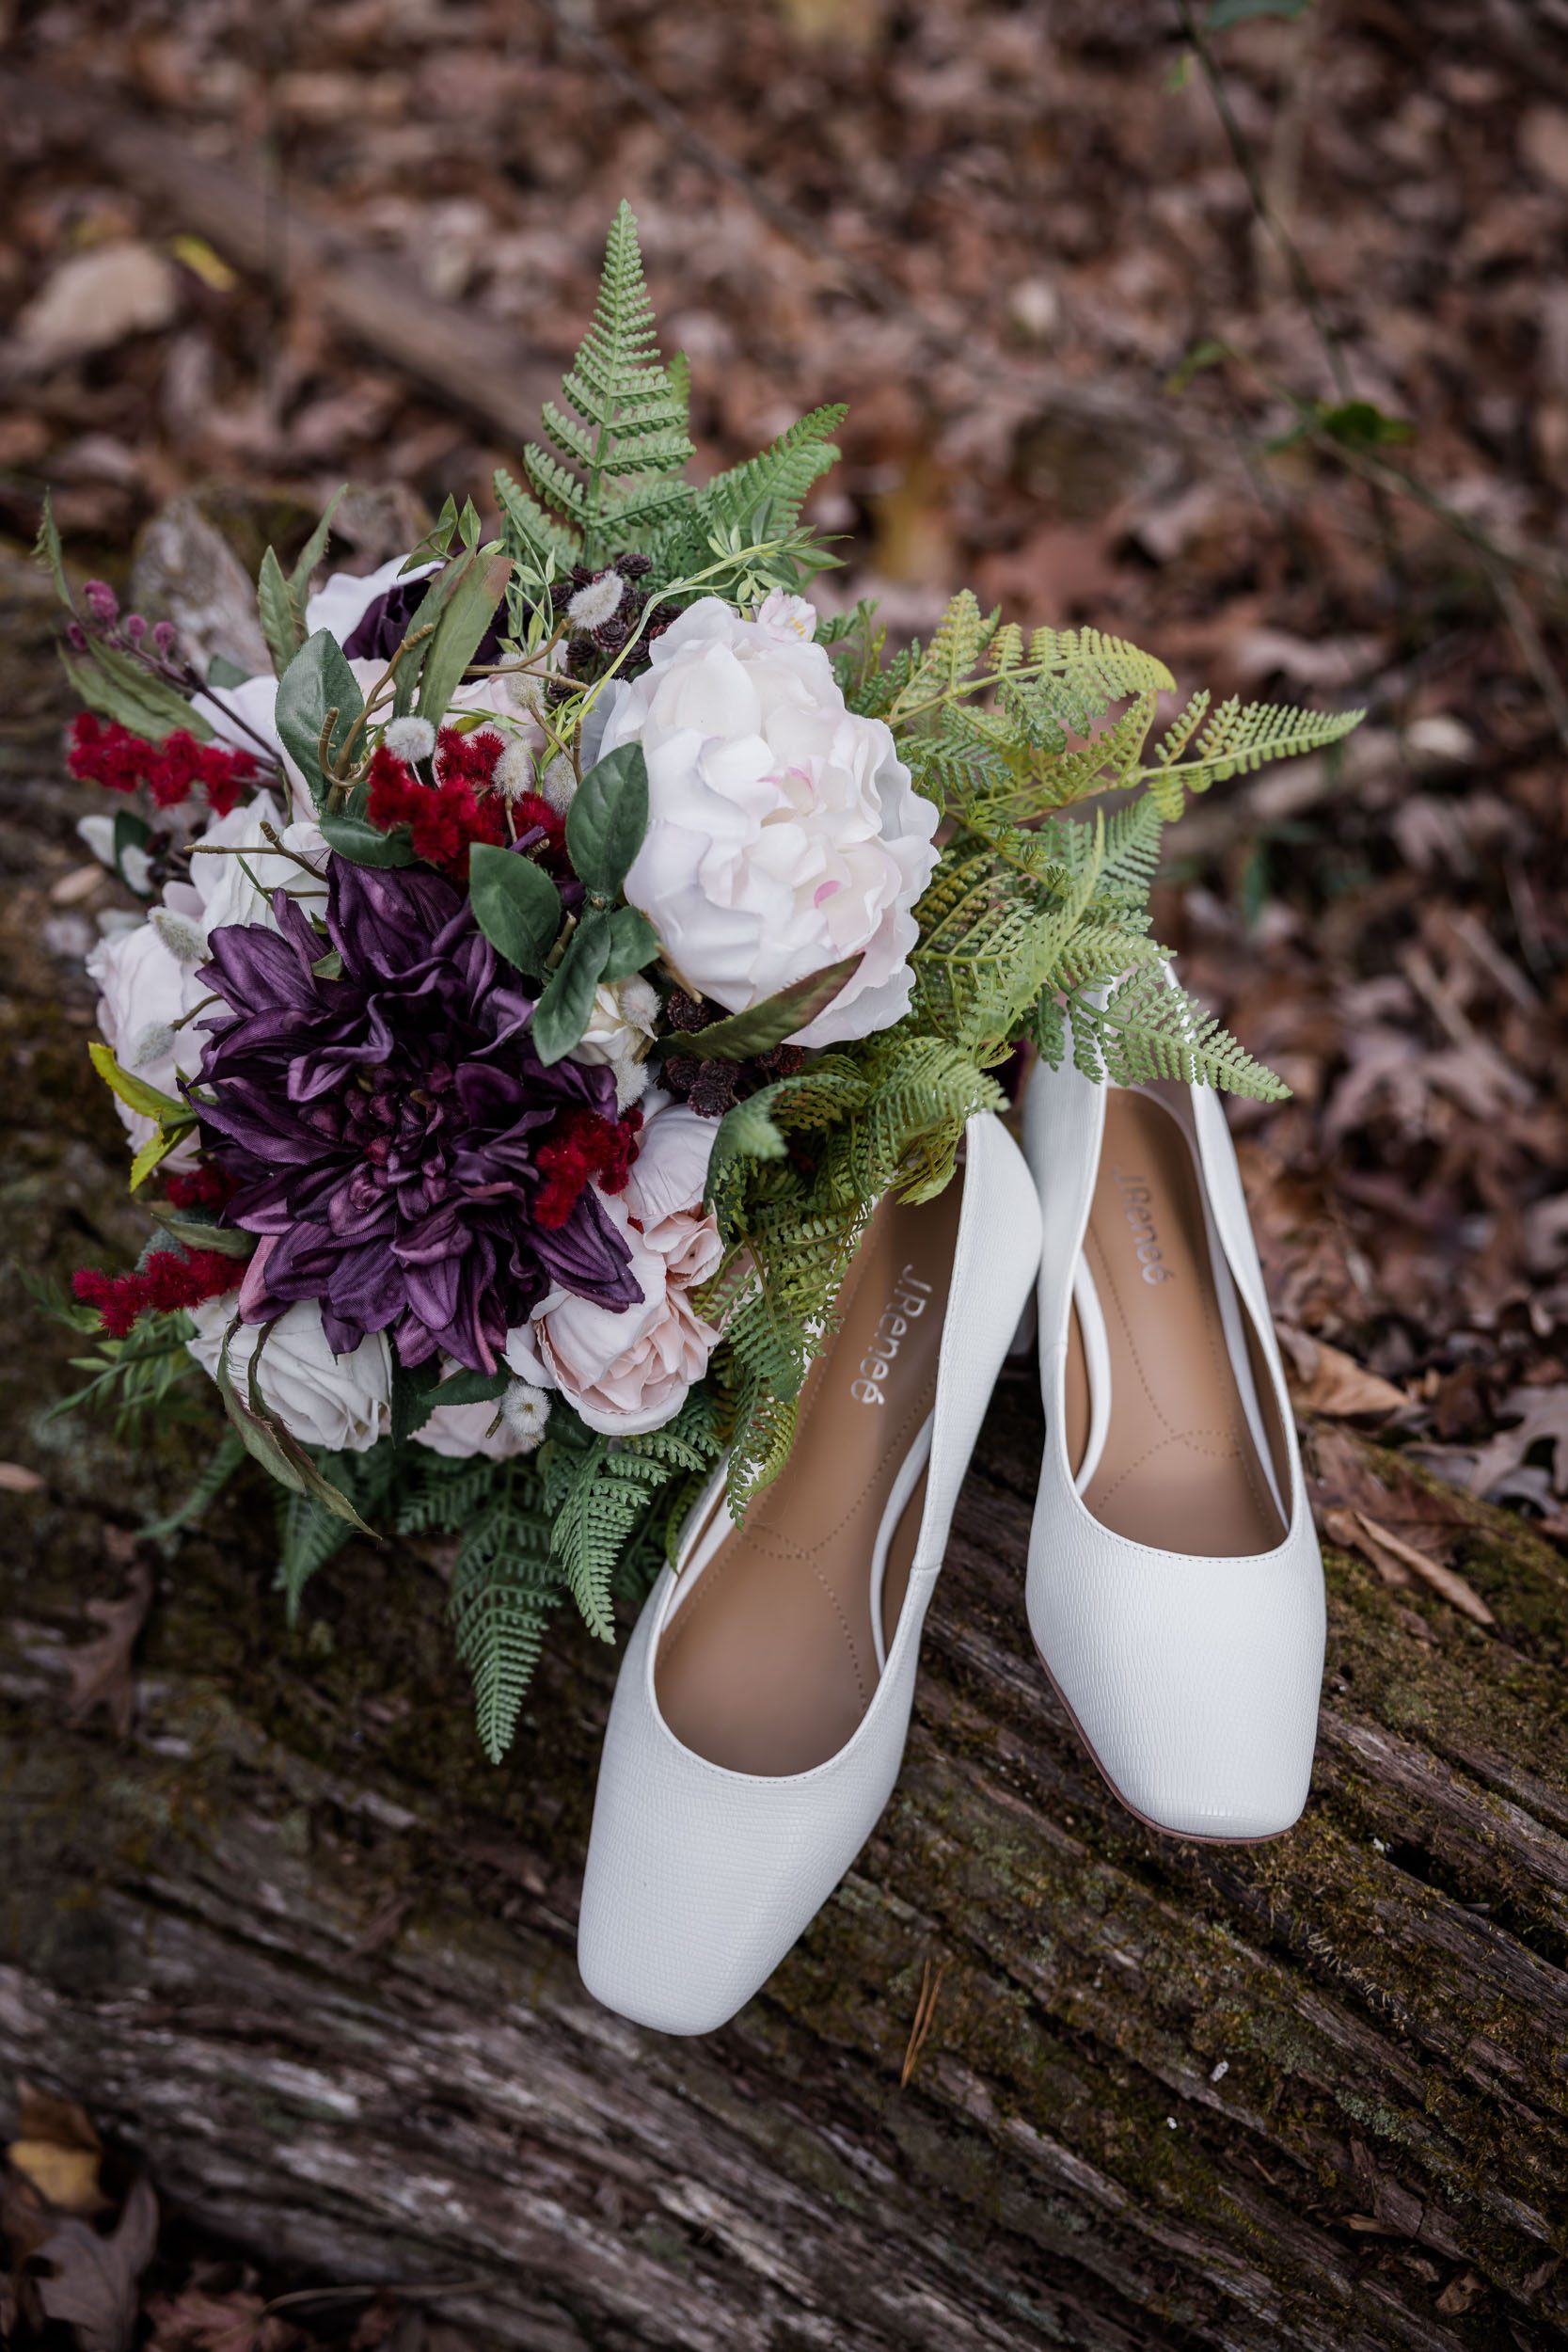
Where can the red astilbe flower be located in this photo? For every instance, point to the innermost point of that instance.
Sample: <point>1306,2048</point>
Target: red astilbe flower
<point>580,1147</point>
<point>463,805</point>
<point>110,755</point>
<point>170,1279</point>
<point>203,1187</point>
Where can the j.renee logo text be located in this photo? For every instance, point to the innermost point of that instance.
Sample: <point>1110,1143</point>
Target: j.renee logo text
<point>1137,1207</point>
<point>909,1302</point>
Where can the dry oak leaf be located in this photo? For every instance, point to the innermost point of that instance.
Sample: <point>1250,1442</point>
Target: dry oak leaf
<point>1400,1563</point>
<point>90,2281</point>
<point>1544,1414</point>
<point>100,1671</point>
<point>57,2151</point>
<point>1324,1379</point>
<point>195,2320</point>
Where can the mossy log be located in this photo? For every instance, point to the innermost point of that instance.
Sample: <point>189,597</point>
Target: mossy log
<point>295,1941</point>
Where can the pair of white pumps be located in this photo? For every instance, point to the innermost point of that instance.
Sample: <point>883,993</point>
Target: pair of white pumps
<point>1175,1589</point>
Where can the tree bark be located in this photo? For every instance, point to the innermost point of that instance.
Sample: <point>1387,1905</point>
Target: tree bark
<point>298,1943</point>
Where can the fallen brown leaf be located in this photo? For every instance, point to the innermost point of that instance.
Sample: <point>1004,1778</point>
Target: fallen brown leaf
<point>195,2320</point>
<point>17,1478</point>
<point>1543,1414</point>
<point>1399,1563</point>
<point>100,1671</point>
<point>57,2151</point>
<point>88,2280</point>
<point>1462,2294</point>
<point>1324,1379</point>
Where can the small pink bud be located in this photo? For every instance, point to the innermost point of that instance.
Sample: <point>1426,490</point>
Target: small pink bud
<point>100,600</point>
<point>136,627</point>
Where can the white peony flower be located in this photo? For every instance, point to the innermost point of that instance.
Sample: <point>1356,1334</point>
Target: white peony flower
<point>343,1403</point>
<point>620,1031</point>
<point>629,1371</point>
<point>784,833</point>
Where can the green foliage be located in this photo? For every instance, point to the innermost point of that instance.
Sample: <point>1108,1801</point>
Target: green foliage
<point>515,905</point>
<point>613,470</point>
<point>142,1381</point>
<point>281,597</point>
<point>503,1590</point>
<point>1035,924</point>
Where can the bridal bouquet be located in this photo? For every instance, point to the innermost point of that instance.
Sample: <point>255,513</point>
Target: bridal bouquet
<point>534,980</point>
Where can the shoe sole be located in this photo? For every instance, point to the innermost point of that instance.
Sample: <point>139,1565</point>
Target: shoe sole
<point>1161,1829</point>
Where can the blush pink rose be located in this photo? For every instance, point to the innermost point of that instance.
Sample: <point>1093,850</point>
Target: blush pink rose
<point>627,1373</point>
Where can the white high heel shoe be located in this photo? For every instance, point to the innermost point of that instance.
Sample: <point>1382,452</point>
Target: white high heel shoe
<point>1175,1590</point>
<point>760,1716</point>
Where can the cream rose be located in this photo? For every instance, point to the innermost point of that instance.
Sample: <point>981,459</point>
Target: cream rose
<point>626,1374</point>
<point>343,1403</point>
<point>620,1032</point>
<point>145,989</point>
<point>783,833</point>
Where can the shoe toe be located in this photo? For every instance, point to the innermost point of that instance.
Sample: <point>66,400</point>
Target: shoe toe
<point>1195,1684</point>
<point>699,1880</point>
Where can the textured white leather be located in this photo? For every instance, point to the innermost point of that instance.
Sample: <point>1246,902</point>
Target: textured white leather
<point>1194,1680</point>
<point>699,1878</point>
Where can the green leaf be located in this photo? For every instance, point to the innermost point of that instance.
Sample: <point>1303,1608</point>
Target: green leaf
<point>633,942</point>
<point>221,672</point>
<point>413,1396</point>
<point>47,549</point>
<point>194,1230</point>
<point>473,1387</point>
<point>117,687</point>
<point>762,1026</point>
<point>309,556</point>
<point>564,1010</point>
<point>1202,356</point>
<point>156,1148</point>
<point>1224,12</point>
<point>467,609</point>
<point>330,967</point>
<point>362,843</point>
<point>607,819</point>
<point>515,905</point>
<point>748,1132</point>
<point>281,625</point>
<point>130,833</point>
<point>317,680</point>
<point>136,1092</point>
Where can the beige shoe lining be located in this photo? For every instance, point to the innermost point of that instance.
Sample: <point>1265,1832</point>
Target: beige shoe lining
<point>1179,1470</point>
<point>771,1662</point>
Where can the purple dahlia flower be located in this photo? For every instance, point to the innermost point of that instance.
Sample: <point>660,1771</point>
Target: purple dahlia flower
<point>383,1123</point>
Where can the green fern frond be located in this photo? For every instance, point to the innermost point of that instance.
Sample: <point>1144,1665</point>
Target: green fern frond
<point>1149,1029</point>
<point>763,498</point>
<point>527,530</point>
<point>309,1535</point>
<point>1239,738</point>
<point>504,1588</point>
<point>618,444</point>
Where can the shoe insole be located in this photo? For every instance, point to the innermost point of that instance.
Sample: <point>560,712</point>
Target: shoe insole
<point>770,1660</point>
<point>1179,1470</point>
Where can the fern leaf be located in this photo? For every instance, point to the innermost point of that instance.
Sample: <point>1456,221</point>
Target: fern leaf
<point>504,1588</point>
<point>620,440</point>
